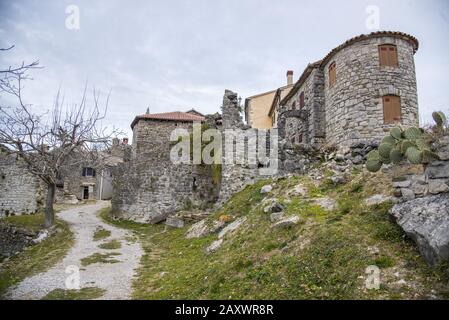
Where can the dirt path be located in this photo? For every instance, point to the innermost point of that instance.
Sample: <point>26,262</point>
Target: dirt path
<point>115,278</point>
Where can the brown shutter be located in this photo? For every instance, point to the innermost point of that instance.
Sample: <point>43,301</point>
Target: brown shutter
<point>388,55</point>
<point>301,100</point>
<point>393,56</point>
<point>392,109</point>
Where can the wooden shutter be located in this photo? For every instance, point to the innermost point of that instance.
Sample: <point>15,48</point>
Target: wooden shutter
<point>393,56</point>
<point>332,74</point>
<point>392,109</point>
<point>301,100</point>
<point>388,55</point>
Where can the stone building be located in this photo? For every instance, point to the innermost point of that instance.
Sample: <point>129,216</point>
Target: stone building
<point>149,186</point>
<point>258,108</point>
<point>91,179</point>
<point>20,191</point>
<point>354,94</point>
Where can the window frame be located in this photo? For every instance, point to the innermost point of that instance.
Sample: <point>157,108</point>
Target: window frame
<point>388,60</point>
<point>302,102</point>
<point>394,120</point>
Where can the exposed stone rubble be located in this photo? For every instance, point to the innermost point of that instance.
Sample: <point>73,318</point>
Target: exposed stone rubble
<point>426,221</point>
<point>14,239</point>
<point>423,208</point>
<point>286,222</point>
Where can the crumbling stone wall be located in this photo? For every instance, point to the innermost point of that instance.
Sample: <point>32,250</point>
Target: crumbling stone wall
<point>353,105</point>
<point>422,210</point>
<point>150,186</point>
<point>14,239</point>
<point>20,191</point>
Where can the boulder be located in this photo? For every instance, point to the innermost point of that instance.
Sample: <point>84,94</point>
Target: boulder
<point>426,221</point>
<point>276,216</point>
<point>286,222</point>
<point>214,246</point>
<point>326,203</point>
<point>174,222</point>
<point>273,207</point>
<point>231,227</point>
<point>202,229</point>
<point>438,186</point>
<point>266,189</point>
<point>377,199</point>
<point>298,190</point>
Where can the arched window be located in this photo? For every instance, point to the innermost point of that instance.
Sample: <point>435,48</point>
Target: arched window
<point>388,55</point>
<point>392,109</point>
<point>332,74</point>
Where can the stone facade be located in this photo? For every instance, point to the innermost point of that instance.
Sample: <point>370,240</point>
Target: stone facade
<point>20,191</point>
<point>149,186</point>
<point>351,110</point>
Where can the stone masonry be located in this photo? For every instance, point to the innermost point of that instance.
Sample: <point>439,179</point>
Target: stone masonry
<point>351,110</point>
<point>20,191</point>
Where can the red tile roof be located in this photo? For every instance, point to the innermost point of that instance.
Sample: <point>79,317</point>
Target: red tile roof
<point>169,116</point>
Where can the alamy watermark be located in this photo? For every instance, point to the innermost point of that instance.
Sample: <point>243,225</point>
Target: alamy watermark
<point>72,21</point>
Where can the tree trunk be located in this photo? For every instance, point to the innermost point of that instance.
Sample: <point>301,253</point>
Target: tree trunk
<point>49,213</point>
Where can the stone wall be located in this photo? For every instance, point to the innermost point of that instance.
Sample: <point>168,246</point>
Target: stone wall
<point>20,191</point>
<point>150,186</point>
<point>309,121</point>
<point>422,210</point>
<point>353,106</point>
<point>14,239</point>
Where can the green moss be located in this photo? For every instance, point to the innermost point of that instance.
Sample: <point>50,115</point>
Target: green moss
<point>101,233</point>
<point>88,293</point>
<point>31,222</point>
<point>111,245</point>
<point>37,258</point>
<point>100,258</point>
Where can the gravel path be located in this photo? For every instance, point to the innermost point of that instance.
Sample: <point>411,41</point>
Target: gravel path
<point>115,278</point>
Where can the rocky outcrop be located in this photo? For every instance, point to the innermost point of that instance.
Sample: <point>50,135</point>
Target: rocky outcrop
<point>426,221</point>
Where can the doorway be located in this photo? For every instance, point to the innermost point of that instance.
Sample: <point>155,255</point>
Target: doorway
<point>85,193</point>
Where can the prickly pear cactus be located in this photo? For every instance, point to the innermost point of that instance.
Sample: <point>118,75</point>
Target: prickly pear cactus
<point>413,144</point>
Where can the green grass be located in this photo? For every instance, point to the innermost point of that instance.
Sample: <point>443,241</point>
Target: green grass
<point>324,257</point>
<point>101,233</point>
<point>100,258</point>
<point>110,245</point>
<point>88,293</point>
<point>37,258</point>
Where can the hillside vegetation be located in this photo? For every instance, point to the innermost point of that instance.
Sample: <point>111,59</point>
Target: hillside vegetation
<point>324,256</point>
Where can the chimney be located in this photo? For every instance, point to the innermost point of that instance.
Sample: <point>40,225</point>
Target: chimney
<point>289,77</point>
<point>125,140</point>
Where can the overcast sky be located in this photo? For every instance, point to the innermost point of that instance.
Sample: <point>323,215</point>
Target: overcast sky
<point>175,55</point>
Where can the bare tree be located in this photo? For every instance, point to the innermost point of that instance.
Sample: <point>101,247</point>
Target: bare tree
<point>51,142</point>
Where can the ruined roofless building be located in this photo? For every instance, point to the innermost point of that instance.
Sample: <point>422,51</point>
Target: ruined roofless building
<point>354,94</point>
<point>149,186</point>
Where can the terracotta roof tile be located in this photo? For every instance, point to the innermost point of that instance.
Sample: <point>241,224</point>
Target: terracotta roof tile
<point>169,116</point>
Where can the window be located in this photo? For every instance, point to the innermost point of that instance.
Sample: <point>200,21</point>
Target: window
<point>332,74</point>
<point>301,100</point>
<point>300,138</point>
<point>294,105</point>
<point>88,172</point>
<point>392,109</point>
<point>388,55</point>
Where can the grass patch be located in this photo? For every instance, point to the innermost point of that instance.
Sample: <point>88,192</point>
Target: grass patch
<point>100,258</point>
<point>325,257</point>
<point>37,258</point>
<point>82,294</point>
<point>111,245</point>
<point>101,233</point>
